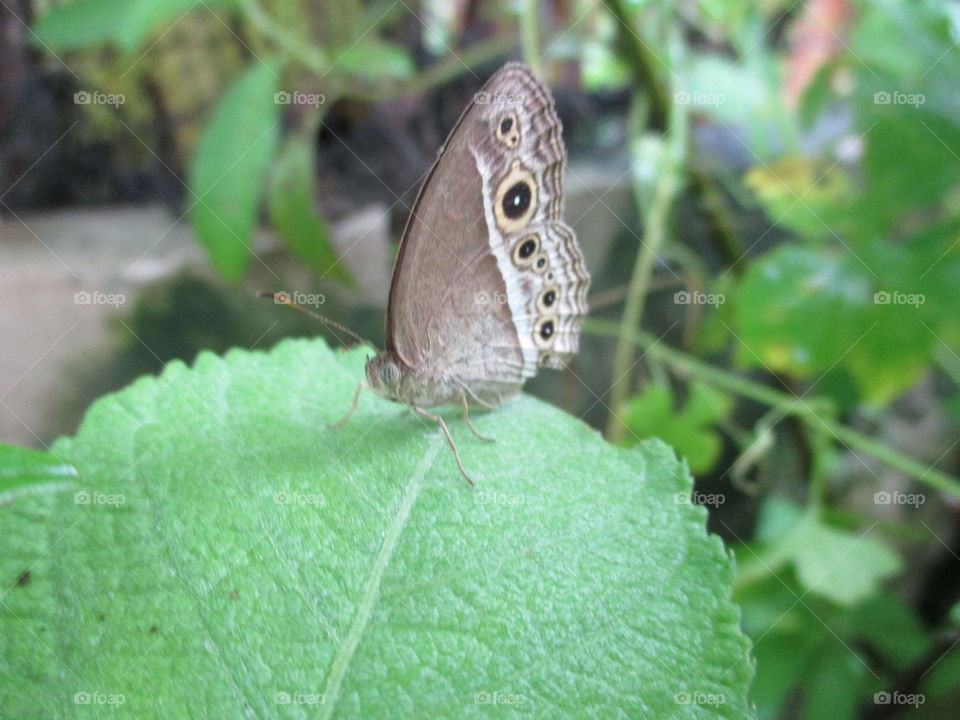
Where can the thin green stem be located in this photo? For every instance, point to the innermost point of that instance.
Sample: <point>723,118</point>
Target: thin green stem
<point>530,34</point>
<point>802,409</point>
<point>656,213</point>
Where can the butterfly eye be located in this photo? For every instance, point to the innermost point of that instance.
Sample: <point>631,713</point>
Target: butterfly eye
<point>389,373</point>
<point>508,130</point>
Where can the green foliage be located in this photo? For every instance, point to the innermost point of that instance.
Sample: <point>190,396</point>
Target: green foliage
<point>291,204</point>
<point>125,23</point>
<point>689,430</point>
<point>242,554</point>
<point>375,59</point>
<point>228,172</point>
<point>841,566</point>
<point>24,471</point>
<point>813,604</point>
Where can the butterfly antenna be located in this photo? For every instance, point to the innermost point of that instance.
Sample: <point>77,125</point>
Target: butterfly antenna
<point>283,299</point>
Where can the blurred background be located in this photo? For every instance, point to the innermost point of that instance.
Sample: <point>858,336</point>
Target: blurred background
<point>767,195</point>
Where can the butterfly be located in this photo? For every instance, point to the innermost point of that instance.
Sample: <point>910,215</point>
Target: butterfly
<point>489,283</point>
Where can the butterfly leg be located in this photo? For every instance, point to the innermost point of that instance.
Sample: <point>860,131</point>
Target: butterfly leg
<point>463,401</point>
<point>453,446</point>
<point>353,408</point>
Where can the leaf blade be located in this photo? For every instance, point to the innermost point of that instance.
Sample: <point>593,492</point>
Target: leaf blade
<point>230,166</point>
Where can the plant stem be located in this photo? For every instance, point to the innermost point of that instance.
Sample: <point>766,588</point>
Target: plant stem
<point>643,64</point>
<point>530,35</point>
<point>656,214</point>
<point>787,404</point>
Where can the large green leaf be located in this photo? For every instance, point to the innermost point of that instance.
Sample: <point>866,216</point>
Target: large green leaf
<point>262,566</point>
<point>230,166</point>
<point>291,205</point>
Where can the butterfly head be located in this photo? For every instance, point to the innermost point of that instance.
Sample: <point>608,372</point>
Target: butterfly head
<point>384,374</point>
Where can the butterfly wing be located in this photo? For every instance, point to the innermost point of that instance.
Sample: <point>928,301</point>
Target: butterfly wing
<point>489,282</point>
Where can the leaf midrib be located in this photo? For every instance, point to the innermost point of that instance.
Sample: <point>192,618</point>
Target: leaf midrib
<point>371,590</point>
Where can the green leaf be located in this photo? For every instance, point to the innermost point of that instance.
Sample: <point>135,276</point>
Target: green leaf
<point>126,23</point>
<point>653,413</point>
<point>75,25</point>
<point>143,17</point>
<point>892,628</point>
<point>374,59</point>
<point>841,566</point>
<point>801,195</point>
<point>230,166</point>
<point>806,311</point>
<point>835,684</point>
<point>262,566</point>
<point>290,201</point>
<point>24,471</point>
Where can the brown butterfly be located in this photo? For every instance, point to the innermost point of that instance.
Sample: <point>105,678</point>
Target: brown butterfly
<point>489,284</point>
